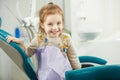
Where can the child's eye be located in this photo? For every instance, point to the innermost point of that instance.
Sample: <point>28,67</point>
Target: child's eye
<point>50,24</point>
<point>58,23</point>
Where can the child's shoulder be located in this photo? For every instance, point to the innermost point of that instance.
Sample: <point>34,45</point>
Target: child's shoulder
<point>40,38</point>
<point>65,37</point>
<point>65,41</point>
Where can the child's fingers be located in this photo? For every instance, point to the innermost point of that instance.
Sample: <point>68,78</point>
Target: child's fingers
<point>9,39</point>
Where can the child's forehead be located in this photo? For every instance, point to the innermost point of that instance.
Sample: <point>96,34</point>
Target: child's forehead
<point>53,16</point>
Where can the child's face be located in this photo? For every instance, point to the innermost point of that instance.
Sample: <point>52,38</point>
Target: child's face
<point>53,25</point>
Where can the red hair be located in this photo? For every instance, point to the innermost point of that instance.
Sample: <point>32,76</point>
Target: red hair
<point>46,10</point>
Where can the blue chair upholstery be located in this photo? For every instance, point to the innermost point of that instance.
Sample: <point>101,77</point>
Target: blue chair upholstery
<point>15,52</point>
<point>107,72</point>
<point>90,73</point>
<point>90,61</point>
<point>0,21</point>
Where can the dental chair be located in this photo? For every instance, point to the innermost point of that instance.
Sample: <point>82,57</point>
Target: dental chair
<point>107,72</point>
<point>88,72</point>
<point>0,21</point>
<point>18,56</point>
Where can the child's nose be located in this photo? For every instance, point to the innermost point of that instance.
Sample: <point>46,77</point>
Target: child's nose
<point>55,27</point>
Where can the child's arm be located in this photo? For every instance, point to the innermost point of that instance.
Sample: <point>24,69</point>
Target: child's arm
<point>72,56</point>
<point>31,47</point>
<point>11,38</point>
<point>30,50</point>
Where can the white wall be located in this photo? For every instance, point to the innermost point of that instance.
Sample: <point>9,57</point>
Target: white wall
<point>101,15</point>
<point>9,15</point>
<point>97,15</point>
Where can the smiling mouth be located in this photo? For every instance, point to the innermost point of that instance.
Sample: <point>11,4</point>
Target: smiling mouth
<point>54,32</point>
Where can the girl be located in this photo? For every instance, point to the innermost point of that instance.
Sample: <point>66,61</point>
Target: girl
<point>52,46</point>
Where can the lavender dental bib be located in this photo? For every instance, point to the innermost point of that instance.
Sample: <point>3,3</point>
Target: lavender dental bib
<point>52,63</point>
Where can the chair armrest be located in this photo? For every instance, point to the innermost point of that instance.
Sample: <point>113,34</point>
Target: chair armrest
<point>105,72</point>
<point>18,56</point>
<point>92,59</point>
